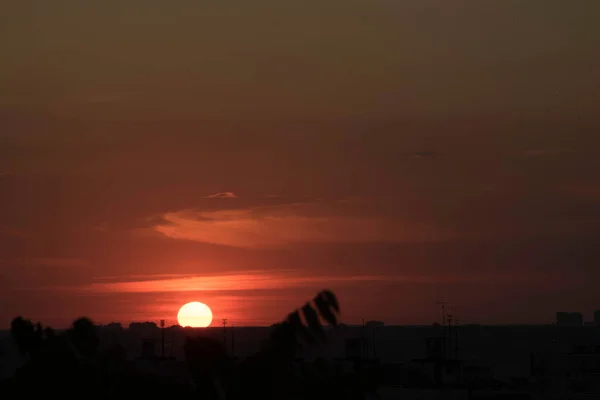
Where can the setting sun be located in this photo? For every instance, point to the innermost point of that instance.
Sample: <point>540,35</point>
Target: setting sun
<point>195,315</point>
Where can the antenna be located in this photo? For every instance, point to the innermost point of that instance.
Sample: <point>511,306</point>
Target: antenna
<point>449,317</point>
<point>224,322</point>
<point>456,322</point>
<point>455,311</point>
<point>443,303</point>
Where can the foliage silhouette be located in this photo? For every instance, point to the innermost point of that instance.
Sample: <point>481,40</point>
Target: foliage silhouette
<point>268,373</point>
<point>209,366</point>
<point>84,337</point>
<point>69,363</point>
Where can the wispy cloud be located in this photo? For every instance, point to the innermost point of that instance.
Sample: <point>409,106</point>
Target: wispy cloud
<point>54,262</point>
<point>288,224</point>
<point>357,200</point>
<point>585,191</point>
<point>141,277</point>
<point>9,231</point>
<point>277,280</point>
<point>544,152</point>
<point>250,280</point>
<point>222,195</point>
<point>424,154</point>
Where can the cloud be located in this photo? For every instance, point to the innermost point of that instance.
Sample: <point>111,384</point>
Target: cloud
<point>54,262</point>
<point>222,195</point>
<point>424,154</point>
<point>354,200</point>
<point>587,191</point>
<point>141,277</point>
<point>297,223</point>
<point>276,280</point>
<point>545,152</point>
<point>9,231</point>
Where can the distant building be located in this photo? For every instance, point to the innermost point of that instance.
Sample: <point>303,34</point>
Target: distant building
<point>597,317</point>
<point>434,348</point>
<point>562,373</point>
<point>569,319</point>
<point>440,372</point>
<point>374,324</point>
<point>148,349</point>
<point>143,325</point>
<point>355,348</point>
<point>113,327</point>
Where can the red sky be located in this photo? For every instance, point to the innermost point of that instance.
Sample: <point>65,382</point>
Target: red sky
<point>248,155</point>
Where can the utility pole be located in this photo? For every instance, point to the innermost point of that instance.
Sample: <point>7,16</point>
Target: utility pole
<point>374,343</point>
<point>364,341</point>
<point>232,341</point>
<point>449,316</point>
<point>456,332</point>
<point>443,303</point>
<point>162,338</point>
<point>224,322</point>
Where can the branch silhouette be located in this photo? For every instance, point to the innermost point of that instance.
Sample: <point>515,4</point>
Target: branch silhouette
<point>69,363</point>
<point>268,373</point>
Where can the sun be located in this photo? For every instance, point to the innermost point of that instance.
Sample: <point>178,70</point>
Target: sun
<point>195,315</point>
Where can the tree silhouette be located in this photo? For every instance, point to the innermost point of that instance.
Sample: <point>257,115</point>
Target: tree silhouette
<point>27,337</point>
<point>84,338</point>
<point>208,365</point>
<point>69,363</point>
<point>55,361</point>
<point>267,374</point>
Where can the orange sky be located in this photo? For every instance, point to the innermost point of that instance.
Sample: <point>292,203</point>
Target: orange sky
<point>249,154</point>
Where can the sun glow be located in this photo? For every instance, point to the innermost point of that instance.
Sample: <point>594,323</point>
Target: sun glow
<point>195,315</point>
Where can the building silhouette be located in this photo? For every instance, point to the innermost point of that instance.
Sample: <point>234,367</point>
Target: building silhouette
<point>569,319</point>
